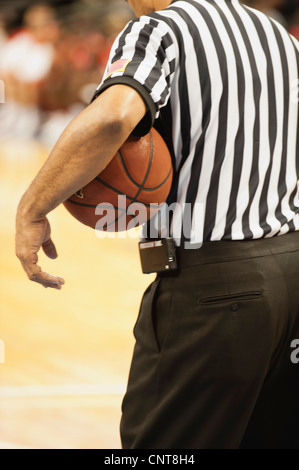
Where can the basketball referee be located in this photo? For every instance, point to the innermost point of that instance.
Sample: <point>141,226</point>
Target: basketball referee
<point>211,367</point>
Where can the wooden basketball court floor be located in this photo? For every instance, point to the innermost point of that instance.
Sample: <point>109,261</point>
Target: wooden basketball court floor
<point>67,353</point>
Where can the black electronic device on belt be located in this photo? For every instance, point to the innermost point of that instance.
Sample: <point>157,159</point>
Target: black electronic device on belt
<point>158,255</point>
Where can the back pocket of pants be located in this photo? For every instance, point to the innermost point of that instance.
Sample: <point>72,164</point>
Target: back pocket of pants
<point>230,297</point>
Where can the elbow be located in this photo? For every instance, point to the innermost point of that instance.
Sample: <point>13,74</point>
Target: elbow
<point>114,127</point>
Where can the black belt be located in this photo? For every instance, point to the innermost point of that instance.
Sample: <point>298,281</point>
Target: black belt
<point>221,251</point>
<point>163,257</point>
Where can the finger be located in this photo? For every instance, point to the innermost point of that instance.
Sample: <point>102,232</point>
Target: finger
<point>47,280</point>
<point>51,285</point>
<point>49,249</point>
<point>35,273</point>
<point>46,286</point>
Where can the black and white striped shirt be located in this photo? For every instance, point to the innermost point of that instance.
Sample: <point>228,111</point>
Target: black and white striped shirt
<point>223,80</point>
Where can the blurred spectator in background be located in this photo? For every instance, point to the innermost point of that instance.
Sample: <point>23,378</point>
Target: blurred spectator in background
<point>294,23</point>
<point>52,63</point>
<point>8,22</point>
<point>3,33</point>
<point>270,8</point>
<point>53,59</point>
<point>286,12</point>
<point>87,32</point>
<point>25,62</point>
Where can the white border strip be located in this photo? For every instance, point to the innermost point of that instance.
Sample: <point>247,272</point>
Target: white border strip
<point>10,445</point>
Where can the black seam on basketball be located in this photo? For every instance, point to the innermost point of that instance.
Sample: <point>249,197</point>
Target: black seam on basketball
<point>140,187</point>
<point>148,167</point>
<point>126,170</point>
<point>82,204</point>
<point>160,185</point>
<point>135,182</point>
<point>133,200</point>
<point>121,215</point>
<point>120,210</point>
<point>100,203</point>
<point>109,186</point>
<point>117,219</point>
<point>122,161</point>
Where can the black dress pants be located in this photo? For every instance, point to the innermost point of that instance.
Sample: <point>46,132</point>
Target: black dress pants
<point>212,364</point>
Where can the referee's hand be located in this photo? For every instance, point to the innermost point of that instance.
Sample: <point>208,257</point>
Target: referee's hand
<point>30,237</point>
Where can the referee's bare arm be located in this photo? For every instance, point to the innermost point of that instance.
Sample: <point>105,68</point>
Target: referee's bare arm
<point>85,148</point>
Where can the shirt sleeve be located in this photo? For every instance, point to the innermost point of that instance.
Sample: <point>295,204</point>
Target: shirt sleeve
<point>143,57</point>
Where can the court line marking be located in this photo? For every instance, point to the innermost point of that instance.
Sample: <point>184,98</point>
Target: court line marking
<point>70,390</point>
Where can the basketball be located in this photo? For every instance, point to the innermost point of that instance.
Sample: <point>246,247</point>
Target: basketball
<point>129,190</point>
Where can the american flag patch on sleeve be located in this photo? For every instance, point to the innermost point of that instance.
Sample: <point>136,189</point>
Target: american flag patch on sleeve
<point>118,66</point>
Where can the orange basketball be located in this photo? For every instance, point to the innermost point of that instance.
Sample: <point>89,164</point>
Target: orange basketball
<point>130,189</point>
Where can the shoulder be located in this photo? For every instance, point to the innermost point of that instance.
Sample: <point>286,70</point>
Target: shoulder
<point>152,29</point>
<point>156,21</point>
